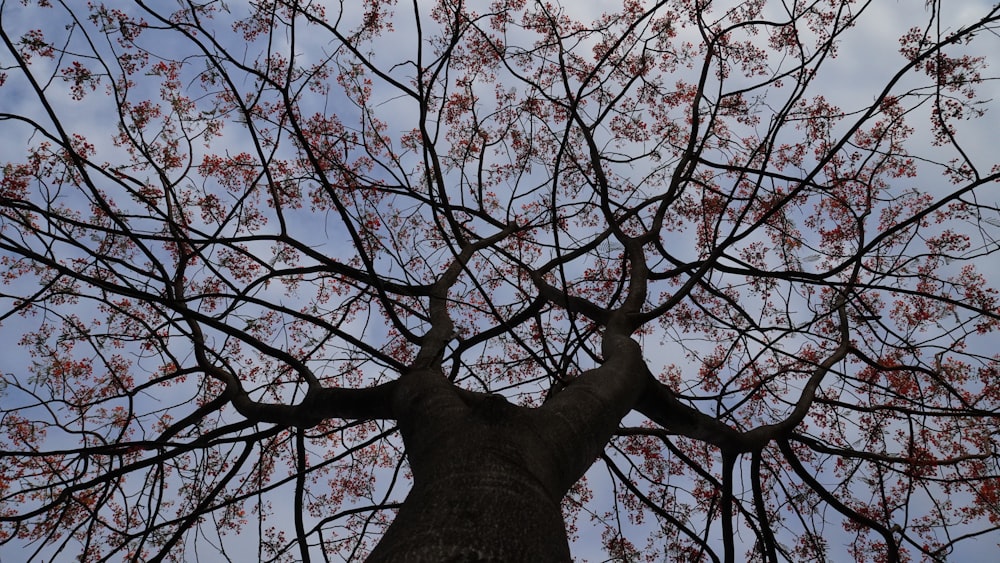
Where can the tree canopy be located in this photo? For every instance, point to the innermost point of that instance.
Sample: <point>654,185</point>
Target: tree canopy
<point>255,254</point>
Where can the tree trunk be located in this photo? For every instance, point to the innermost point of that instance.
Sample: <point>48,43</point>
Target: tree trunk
<point>489,476</point>
<point>478,500</point>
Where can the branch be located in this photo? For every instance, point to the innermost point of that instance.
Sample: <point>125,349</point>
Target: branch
<point>832,500</point>
<point>766,533</point>
<point>578,421</point>
<point>571,303</point>
<point>658,510</point>
<point>300,487</point>
<point>659,404</point>
<point>759,437</point>
<point>442,330</point>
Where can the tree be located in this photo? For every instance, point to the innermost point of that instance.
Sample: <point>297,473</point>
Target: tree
<point>292,280</point>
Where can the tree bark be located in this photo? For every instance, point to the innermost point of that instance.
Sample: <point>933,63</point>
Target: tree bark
<point>489,476</point>
<point>478,500</point>
<point>479,486</point>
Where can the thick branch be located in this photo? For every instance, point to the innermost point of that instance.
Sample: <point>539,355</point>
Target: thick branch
<point>578,421</point>
<point>659,403</point>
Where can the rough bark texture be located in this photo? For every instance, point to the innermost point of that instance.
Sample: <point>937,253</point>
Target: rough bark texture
<point>489,476</point>
<point>476,496</point>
